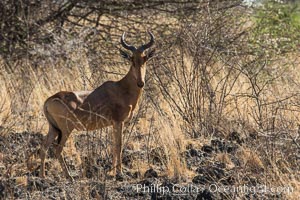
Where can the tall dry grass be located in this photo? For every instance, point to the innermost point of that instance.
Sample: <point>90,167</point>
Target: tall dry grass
<point>198,87</point>
<point>28,84</point>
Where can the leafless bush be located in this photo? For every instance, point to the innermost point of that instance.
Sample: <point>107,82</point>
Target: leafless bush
<point>197,74</point>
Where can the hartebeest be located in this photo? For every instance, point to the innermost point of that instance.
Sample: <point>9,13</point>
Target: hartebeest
<point>111,104</point>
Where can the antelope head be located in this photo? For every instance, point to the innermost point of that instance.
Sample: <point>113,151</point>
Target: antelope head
<point>138,58</point>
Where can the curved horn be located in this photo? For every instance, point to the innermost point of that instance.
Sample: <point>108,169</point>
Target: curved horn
<point>125,45</point>
<point>149,44</point>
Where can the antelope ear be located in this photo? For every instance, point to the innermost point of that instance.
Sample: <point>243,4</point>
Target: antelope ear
<point>124,54</point>
<point>150,54</point>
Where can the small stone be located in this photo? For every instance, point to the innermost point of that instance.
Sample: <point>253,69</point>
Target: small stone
<point>119,177</point>
<point>207,149</point>
<point>235,136</point>
<point>150,173</point>
<point>218,144</point>
<point>193,152</point>
<point>231,148</point>
<point>205,195</point>
<point>200,170</point>
<point>200,179</point>
<point>216,172</point>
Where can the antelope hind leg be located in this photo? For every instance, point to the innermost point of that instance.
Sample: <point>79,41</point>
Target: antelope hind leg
<point>52,134</point>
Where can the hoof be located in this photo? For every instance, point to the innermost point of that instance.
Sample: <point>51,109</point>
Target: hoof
<point>42,175</point>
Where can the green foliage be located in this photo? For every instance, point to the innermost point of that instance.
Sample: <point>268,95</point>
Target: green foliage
<point>277,26</point>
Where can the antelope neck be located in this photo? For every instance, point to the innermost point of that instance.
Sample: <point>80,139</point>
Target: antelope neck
<point>129,83</point>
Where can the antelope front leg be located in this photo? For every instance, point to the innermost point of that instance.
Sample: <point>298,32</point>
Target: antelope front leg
<point>59,156</point>
<point>117,147</point>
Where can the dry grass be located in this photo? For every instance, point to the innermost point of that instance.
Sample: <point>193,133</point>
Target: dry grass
<point>159,135</point>
<point>23,96</point>
<point>224,158</point>
<point>250,161</point>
